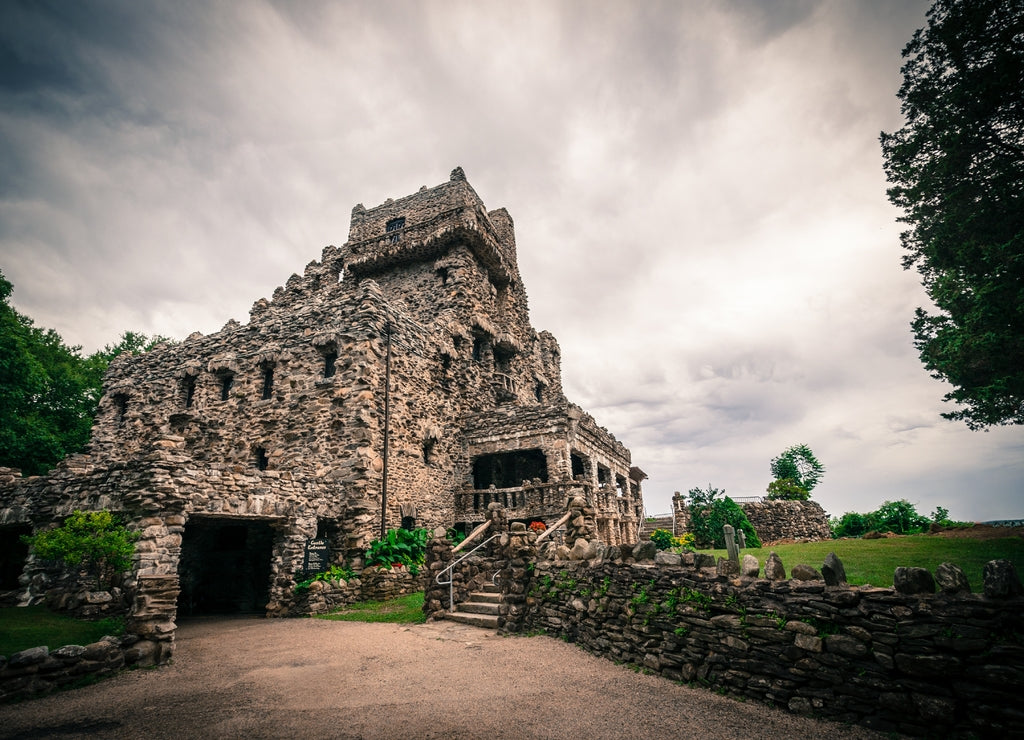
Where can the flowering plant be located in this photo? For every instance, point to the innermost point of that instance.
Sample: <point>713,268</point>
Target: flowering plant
<point>538,527</point>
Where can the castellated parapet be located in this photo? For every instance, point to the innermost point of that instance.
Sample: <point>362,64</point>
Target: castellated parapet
<point>404,357</point>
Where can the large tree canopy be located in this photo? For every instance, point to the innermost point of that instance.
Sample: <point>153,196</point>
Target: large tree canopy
<point>48,391</point>
<point>795,470</point>
<point>956,168</point>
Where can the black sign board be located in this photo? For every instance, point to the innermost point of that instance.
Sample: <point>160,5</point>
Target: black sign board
<point>318,556</point>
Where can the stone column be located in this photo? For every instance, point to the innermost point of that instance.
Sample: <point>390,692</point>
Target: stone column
<point>439,555</point>
<point>516,575</point>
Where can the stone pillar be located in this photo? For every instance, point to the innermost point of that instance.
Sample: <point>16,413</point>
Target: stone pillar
<point>439,556</point>
<point>152,618</point>
<point>581,536</point>
<point>516,575</point>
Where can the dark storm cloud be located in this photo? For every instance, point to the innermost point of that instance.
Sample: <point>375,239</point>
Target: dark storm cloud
<point>697,191</point>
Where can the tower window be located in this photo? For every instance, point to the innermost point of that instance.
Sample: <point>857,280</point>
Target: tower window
<point>120,407</point>
<point>394,226</point>
<point>330,362</point>
<point>226,381</point>
<point>262,461</point>
<point>268,383</point>
<point>188,388</point>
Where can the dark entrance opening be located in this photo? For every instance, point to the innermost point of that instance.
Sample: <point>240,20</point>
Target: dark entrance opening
<point>225,566</point>
<point>13,553</point>
<point>509,469</point>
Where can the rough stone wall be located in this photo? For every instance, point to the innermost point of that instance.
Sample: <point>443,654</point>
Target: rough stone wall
<point>772,520</point>
<point>777,520</point>
<point>948,663</point>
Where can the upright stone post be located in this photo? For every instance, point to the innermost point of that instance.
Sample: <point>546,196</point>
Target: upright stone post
<point>730,543</point>
<point>519,553</point>
<point>436,597</point>
<point>743,539</point>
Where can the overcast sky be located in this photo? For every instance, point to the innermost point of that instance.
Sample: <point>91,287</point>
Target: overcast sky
<point>697,189</point>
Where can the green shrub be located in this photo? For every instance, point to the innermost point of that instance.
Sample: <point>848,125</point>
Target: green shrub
<point>850,524</point>
<point>664,540</point>
<point>334,573</point>
<point>710,511</point>
<point>95,541</point>
<point>407,547</point>
<point>787,489</point>
<point>899,517</point>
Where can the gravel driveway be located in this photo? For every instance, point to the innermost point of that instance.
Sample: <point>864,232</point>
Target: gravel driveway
<point>310,678</point>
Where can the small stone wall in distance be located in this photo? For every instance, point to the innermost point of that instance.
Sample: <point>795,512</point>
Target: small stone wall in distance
<point>780,520</point>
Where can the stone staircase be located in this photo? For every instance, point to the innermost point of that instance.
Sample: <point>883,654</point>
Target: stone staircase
<point>658,522</point>
<point>480,610</point>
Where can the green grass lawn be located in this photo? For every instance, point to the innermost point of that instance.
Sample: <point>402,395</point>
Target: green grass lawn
<point>403,610</point>
<point>873,561</point>
<point>32,626</point>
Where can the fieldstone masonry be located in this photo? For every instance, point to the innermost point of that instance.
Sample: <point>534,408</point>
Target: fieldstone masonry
<point>408,347</point>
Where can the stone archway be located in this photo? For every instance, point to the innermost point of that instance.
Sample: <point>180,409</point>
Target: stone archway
<point>225,566</point>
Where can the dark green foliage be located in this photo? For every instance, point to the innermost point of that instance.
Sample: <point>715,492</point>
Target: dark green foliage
<point>798,465</point>
<point>956,169</point>
<point>48,391</point>
<point>711,510</point>
<point>898,517</point>
<point>662,539</point>
<point>334,573</point>
<point>94,541</point>
<point>786,489</point>
<point>406,547</point>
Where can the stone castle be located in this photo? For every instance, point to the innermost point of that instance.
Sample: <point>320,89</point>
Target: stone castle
<point>397,382</point>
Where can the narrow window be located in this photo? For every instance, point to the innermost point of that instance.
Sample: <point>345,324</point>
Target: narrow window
<point>478,348</point>
<point>262,461</point>
<point>188,387</point>
<point>538,392</point>
<point>393,227</point>
<point>226,381</point>
<point>428,449</point>
<point>120,407</point>
<point>330,361</point>
<point>268,383</point>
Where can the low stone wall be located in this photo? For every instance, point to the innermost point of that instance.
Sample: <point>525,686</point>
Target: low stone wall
<point>779,520</point>
<point>38,671</point>
<point>948,663</point>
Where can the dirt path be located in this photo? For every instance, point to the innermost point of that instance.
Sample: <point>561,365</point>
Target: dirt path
<point>310,678</point>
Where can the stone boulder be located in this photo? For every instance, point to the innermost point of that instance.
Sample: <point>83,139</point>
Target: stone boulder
<point>913,581</point>
<point>1001,581</point>
<point>773,568</point>
<point>832,571</point>
<point>750,567</point>
<point>951,579</point>
<point>803,572</point>
<point>645,551</point>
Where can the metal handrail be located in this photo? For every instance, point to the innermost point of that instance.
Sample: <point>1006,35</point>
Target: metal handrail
<point>450,570</point>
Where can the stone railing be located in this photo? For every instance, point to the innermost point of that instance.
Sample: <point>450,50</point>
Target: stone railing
<point>541,500</point>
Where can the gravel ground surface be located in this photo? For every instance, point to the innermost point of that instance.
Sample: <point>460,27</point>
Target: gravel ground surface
<point>310,678</point>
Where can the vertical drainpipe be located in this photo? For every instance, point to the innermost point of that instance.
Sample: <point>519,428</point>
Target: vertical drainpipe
<point>387,433</point>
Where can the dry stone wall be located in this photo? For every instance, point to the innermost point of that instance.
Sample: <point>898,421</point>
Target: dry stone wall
<point>778,520</point>
<point>921,664</point>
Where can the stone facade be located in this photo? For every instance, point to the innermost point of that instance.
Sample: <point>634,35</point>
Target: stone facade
<point>398,379</point>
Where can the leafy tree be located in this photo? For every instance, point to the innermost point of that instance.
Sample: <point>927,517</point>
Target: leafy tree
<point>95,541</point>
<point>956,169</point>
<point>710,511</point>
<point>786,489</point>
<point>799,466</point>
<point>851,524</point>
<point>48,394</point>
<point>48,391</point>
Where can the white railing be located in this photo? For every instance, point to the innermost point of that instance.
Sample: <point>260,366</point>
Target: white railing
<point>450,570</point>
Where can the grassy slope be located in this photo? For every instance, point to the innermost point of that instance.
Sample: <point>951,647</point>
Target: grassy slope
<point>403,610</point>
<point>31,626</point>
<point>873,561</point>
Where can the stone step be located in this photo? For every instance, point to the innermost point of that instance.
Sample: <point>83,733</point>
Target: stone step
<point>490,621</point>
<point>485,597</point>
<point>476,607</point>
